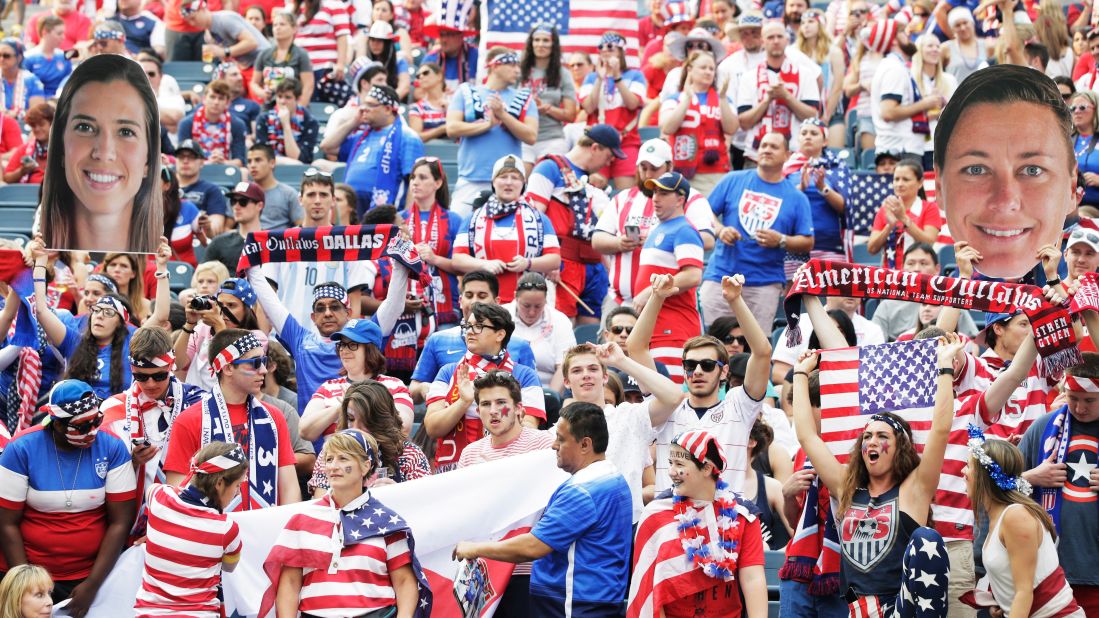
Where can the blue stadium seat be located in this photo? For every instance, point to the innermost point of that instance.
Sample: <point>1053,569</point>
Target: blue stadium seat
<point>19,195</point>
<point>648,133</point>
<point>19,220</point>
<point>587,333</point>
<point>222,175</point>
<point>19,238</point>
<point>190,71</point>
<point>443,149</point>
<point>866,159</point>
<point>290,174</point>
<point>863,256</point>
<point>946,255</point>
<point>775,334</point>
<point>852,129</point>
<point>339,173</point>
<point>772,562</point>
<point>322,111</point>
<point>179,275</point>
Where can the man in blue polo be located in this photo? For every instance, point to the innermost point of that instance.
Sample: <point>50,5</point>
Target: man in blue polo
<point>581,545</point>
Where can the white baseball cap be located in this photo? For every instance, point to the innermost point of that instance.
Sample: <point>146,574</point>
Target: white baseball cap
<point>655,152</point>
<point>509,162</point>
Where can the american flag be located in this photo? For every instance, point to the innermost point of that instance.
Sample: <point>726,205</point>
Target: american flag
<point>860,381</point>
<point>864,199</point>
<point>580,25</point>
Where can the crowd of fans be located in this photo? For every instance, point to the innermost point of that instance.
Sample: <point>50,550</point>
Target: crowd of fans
<point>614,298</point>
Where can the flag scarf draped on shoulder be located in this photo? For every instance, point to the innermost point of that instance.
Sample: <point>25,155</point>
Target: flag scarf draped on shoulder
<point>1052,324</point>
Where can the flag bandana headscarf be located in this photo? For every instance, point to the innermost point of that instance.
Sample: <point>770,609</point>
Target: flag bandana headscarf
<point>1055,442</point>
<point>331,290</point>
<point>342,243</point>
<point>113,303</point>
<point>1052,324</point>
<point>81,418</point>
<point>261,491</point>
<point>221,463</point>
<point>105,281</point>
<point>813,555</point>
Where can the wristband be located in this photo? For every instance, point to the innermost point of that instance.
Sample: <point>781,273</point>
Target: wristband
<point>946,371</point>
<point>228,52</point>
<point>801,373</point>
<point>38,279</point>
<point>189,332</point>
<point>161,274</point>
<point>1054,281</point>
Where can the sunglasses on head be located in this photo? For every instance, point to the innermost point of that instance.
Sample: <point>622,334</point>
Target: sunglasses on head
<point>313,173</point>
<point>159,376</point>
<point>619,329</point>
<point>530,285</point>
<point>707,365</point>
<point>1091,237</point>
<point>252,363</point>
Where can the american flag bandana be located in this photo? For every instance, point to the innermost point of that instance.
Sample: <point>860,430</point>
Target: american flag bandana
<point>164,360</point>
<point>331,290</point>
<point>105,281</point>
<point>114,303</point>
<point>1052,324</point>
<point>239,348</point>
<point>221,463</point>
<point>344,243</point>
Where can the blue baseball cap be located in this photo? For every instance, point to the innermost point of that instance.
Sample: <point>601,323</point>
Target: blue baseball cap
<point>360,331</point>
<point>240,288</point>
<point>607,136</point>
<point>672,181</point>
<point>990,320</point>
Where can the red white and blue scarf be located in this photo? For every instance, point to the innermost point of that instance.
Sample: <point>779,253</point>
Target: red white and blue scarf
<point>275,137</point>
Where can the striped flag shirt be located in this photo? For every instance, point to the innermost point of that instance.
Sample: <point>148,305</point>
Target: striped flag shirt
<point>183,554</point>
<point>318,37</point>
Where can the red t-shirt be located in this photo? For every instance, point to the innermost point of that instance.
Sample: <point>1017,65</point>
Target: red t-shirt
<point>27,149</point>
<point>723,598</point>
<point>922,214</point>
<point>77,28</point>
<point>269,6</point>
<point>11,135</point>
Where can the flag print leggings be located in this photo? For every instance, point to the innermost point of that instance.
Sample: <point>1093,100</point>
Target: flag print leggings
<point>923,594</point>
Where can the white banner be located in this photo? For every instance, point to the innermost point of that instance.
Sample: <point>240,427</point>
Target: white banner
<point>484,502</point>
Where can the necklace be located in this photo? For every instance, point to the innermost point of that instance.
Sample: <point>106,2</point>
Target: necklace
<point>76,473</point>
<point>718,562</point>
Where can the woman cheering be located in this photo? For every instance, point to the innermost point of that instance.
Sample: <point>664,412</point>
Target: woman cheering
<point>357,544</point>
<point>904,217</point>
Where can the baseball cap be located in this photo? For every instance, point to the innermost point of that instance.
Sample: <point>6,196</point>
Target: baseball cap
<point>190,145</point>
<point>381,30</point>
<point>738,365</point>
<point>629,384</point>
<point>240,288</point>
<point>990,320</point>
<point>247,190</point>
<point>672,181</point>
<point>750,19</point>
<point>68,391</point>
<point>508,162</point>
<point>655,152</point>
<point>360,331</point>
<point>607,136</point>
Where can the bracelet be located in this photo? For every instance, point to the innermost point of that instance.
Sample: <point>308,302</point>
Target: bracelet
<point>39,279</point>
<point>1053,281</point>
<point>161,274</point>
<point>801,373</point>
<point>189,332</point>
<point>946,371</point>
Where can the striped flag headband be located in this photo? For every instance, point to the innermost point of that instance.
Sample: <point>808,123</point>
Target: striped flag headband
<point>164,360</point>
<point>105,281</point>
<point>221,463</point>
<point>107,34</point>
<point>697,442</point>
<point>1081,385</point>
<point>361,439</point>
<point>505,58</point>
<point>898,429</point>
<point>237,349</point>
<point>114,303</point>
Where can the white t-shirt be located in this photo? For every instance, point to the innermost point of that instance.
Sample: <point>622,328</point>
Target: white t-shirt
<point>750,93</point>
<point>731,69</point>
<point>549,337</point>
<point>296,281</point>
<point>631,433</point>
<point>729,421</point>
<point>892,79</point>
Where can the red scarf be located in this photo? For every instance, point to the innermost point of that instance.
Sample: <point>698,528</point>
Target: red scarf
<point>448,449</point>
<point>212,141</point>
<point>701,139</point>
<point>778,118</point>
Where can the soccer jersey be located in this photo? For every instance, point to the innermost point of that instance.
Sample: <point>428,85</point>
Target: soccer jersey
<point>478,153</point>
<point>529,439</point>
<point>183,553</point>
<point>612,109</point>
<point>546,186</point>
<point>501,241</point>
<point>671,247</point>
<point>101,381</point>
<point>318,36</point>
<point>296,281</point>
<point>922,214</point>
<point>634,208</point>
<point>448,346</point>
<point>62,494</point>
<point>587,524</point>
<point>207,197</point>
<point>183,233</point>
<point>892,81</point>
<point>729,421</point>
<point>50,71</point>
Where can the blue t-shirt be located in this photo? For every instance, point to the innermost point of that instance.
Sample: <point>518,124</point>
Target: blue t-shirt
<point>364,162</point>
<point>245,110</point>
<point>238,130</point>
<point>139,30</point>
<point>477,154</point>
<point>50,71</point>
<point>207,197</point>
<point>1087,159</point>
<point>34,88</point>
<point>748,203</point>
<point>101,382</point>
<point>448,346</point>
<point>827,223</point>
<point>588,524</point>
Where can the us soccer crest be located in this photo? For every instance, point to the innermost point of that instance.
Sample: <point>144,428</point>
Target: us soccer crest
<point>869,533</point>
<point>101,468</point>
<point>758,211</point>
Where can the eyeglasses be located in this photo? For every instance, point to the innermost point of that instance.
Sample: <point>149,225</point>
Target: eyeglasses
<point>239,201</point>
<point>619,329</point>
<point>731,339</point>
<point>707,365</point>
<point>703,45</point>
<point>252,363</point>
<point>329,307</point>
<point>106,312</point>
<point>159,376</point>
<point>425,73</point>
<point>86,426</point>
<point>1081,107</point>
<point>475,328</point>
<point>350,346</point>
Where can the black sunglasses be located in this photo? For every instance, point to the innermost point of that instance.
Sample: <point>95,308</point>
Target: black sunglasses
<point>239,201</point>
<point>619,329</point>
<point>731,339</point>
<point>689,366</point>
<point>159,376</point>
<point>86,426</point>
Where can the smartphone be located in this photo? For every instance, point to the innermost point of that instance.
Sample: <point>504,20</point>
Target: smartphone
<point>28,160</point>
<point>633,232</point>
<point>140,442</point>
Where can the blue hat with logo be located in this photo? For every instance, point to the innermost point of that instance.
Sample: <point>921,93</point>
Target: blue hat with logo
<point>672,181</point>
<point>360,331</point>
<point>240,288</point>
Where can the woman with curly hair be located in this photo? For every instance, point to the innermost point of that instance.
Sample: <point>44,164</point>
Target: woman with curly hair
<point>542,70</point>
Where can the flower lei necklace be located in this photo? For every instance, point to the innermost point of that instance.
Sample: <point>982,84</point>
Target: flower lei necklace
<point>1001,478</point>
<point>722,563</point>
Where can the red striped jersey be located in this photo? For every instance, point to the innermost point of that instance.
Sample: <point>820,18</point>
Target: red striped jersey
<point>632,207</point>
<point>483,450</point>
<point>318,36</point>
<point>183,555</point>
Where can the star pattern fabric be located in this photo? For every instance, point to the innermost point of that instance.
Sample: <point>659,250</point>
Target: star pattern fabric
<point>897,377</point>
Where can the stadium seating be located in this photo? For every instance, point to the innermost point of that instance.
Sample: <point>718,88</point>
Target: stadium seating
<point>201,72</point>
<point>586,333</point>
<point>866,160</point>
<point>224,176</point>
<point>179,275</point>
<point>19,195</point>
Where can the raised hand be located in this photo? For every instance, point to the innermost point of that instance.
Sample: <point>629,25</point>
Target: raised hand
<point>949,346</point>
<point>663,285</point>
<point>732,287</point>
<point>807,361</point>
<point>163,254</point>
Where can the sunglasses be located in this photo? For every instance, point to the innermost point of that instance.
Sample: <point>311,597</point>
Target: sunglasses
<point>731,339</point>
<point>1082,107</point>
<point>689,366</point>
<point>618,330</point>
<point>314,173</point>
<point>577,65</point>
<point>159,376</point>
<point>5,56</point>
<point>86,426</point>
<point>692,45</point>
<point>350,346</point>
<point>106,312</point>
<point>607,46</point>
<point>424,73</point>
<point>859,12</point>
<point>330,307</point>
<point>1090,237</point>
<point>475,328</point>
<point>239,201</point>
<point>252,363</point>
<point>151,74</point>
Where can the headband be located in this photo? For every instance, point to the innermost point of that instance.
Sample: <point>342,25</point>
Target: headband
<point>1002,480</point>
<point>817,122</point>
<point>220,70</point>
<point>330,290</point>
<point>697,443</point>
<point>84,406</point>
<point>543,28</point>
<point>505,58</point>
<point>105,281</point>
<point>898,429</point>
<point>361,439</point>
<point>191,7</point>
<point>164,360</point>
<point>108,34</point>
<point>1081,385</point>
<point>114,303</point>
<point>221,463</point>
<point>237,349</point>
<point>612,38</point>
<point>382,96</point>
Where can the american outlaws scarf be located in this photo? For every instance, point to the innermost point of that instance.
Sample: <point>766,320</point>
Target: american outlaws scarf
<point>275,137</point>
<point>813,555</point>
<point>530,237</point>
<point>1055,441</point>
<point>778,118</point>
<point>1052,324</point>
<point>341,243</point>
<point>211,140</point>
<point>701,147</point>
<point>384,156</point>
<point>469,429</point>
